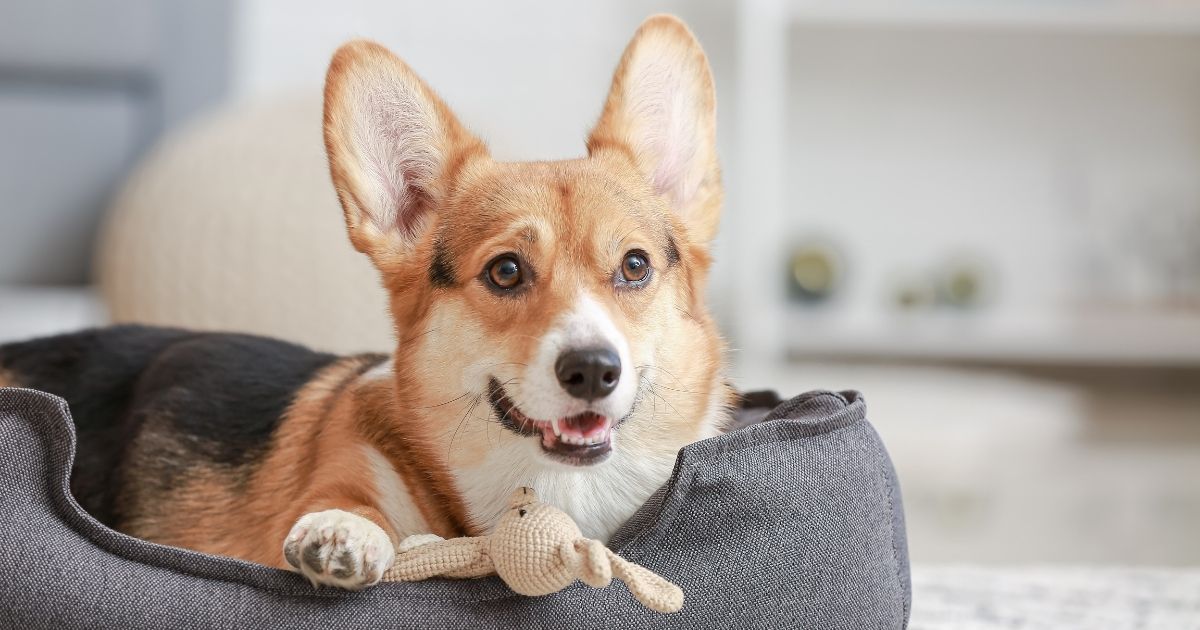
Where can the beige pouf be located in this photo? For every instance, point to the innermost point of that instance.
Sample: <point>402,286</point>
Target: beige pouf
<point>232,224</point>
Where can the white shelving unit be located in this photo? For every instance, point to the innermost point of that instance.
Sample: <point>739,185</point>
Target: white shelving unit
<point>1140,341</point>
<point>1085,15</point>
<point>1085,110</point>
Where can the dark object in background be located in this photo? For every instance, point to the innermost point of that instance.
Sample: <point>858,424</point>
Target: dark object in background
<point>814,272</point>
<point>753,407</point>
<point>964,283</point>
<point>915,292</point>
<point>959,283</point>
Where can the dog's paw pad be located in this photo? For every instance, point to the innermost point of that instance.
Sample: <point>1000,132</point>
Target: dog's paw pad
<point>338,548</point>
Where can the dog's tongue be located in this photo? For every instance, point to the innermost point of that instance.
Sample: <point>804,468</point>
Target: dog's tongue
<point>584,428</point>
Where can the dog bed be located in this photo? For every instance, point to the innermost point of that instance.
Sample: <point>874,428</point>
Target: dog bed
<point>790,521</point>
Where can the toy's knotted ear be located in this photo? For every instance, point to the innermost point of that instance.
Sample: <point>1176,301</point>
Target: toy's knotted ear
<point>650,588</point>
<point>595,569</point>
<point>454,558</point>
<point>521,497</point>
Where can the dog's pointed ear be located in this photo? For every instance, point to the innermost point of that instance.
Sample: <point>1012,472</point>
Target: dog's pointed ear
<point>661,111</point>
<point>392,144</point>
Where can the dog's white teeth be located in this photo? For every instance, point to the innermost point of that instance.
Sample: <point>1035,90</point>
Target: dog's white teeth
<point>580,440</point>
<point>554,425</point>
<point>599,437</point>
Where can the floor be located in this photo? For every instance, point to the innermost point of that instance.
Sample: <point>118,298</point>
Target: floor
<point>1054,598</point>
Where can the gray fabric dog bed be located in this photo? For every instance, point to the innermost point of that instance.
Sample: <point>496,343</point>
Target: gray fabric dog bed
<point>793,521</point>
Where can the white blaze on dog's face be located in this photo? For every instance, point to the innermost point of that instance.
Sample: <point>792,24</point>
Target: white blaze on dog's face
<point>545,311</point>
<point>581,377</point>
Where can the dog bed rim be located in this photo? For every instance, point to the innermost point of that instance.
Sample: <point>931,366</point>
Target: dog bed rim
<point>631,540</point>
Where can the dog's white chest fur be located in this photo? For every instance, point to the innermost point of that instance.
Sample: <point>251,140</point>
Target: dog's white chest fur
<point>600,498</point>
<point>395,499</point>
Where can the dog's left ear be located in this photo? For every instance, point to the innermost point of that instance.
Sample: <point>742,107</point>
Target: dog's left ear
<point>393,146</point>
<point>661,110</point>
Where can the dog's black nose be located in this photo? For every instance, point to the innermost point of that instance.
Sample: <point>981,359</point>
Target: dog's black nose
<point>588,374</point>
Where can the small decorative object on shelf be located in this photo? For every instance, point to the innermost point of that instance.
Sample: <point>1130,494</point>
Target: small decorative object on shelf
<point>814,272</point>
<point>964,283</point>
<point>958,283</point>
<point>914,292</point>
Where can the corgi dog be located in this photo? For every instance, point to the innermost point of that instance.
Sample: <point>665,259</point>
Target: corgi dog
<point>551,332</point>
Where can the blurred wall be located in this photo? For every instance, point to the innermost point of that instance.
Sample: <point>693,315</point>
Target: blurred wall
<point>85,88</point>
<point>529,76</point>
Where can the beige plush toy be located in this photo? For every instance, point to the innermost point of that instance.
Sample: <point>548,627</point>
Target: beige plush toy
<point>537,550</point>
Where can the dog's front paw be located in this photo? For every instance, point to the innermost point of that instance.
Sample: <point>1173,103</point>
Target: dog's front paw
<point>338,548</point>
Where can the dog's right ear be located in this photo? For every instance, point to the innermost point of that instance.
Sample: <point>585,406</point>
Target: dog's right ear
<point>392,146</point>
<point>662,110</point>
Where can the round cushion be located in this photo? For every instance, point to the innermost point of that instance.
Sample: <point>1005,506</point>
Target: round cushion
<point>232,224</point>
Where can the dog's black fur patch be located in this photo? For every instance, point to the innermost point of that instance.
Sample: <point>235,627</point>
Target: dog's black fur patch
<point>95,371</point>
<point>231,390</point>
<point>222,394</point>
<point>441,268</point>
<point>672,251</point>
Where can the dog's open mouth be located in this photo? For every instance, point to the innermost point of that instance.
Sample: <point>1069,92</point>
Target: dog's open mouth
<point>581,440</point>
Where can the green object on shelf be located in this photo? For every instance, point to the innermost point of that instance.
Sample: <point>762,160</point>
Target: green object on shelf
<point>814,273</point>
<point>963,285</point>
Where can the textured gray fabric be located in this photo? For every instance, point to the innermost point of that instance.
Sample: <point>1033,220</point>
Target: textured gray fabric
<point>794,522</point>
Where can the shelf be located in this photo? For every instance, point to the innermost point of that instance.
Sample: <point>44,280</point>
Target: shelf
<point>1130,17</point>
<point>1144,341</point>
<point>852,92</point>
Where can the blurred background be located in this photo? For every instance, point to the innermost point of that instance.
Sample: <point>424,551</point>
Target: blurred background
<point>985,215</point>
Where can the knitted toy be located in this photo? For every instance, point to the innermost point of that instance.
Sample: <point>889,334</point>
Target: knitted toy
<point>537,550</point>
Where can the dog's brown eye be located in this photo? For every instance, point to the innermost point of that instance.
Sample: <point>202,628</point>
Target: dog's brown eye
<point>635,267</point>
<point>505,272</point>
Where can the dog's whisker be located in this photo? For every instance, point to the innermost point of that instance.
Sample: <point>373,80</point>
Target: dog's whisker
<point>674,378</point>
<point>675,389</point>
<point>507,363</point>
<point>418,336</point>
<point>441,404</point>
<point>517,335</point>
<point>685,312</point>
<point>622,239</point>
<point>470,411</point>
<point>666,402</point>
<point>664,370</point>
<point>647,366</point>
